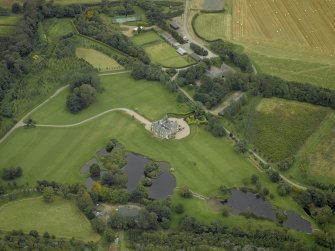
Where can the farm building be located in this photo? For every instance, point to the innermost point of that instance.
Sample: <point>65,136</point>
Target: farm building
<point>181,51</point>
<point>165,128</point>
<point>196,57</point>
<point>174,25</point>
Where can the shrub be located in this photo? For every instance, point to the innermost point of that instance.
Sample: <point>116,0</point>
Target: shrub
<point>185,192</point>
<point>48,194</point>
<point>283,189</point>
<point>11,173</point>
<point>274,176</point>
<point>179,208</point>
<point>95,170</point>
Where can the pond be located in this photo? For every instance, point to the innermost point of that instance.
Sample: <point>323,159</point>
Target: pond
<point>240,201</point>
<point>161,187</point>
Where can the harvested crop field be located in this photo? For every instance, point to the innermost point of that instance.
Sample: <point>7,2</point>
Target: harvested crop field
<point>212,4</point>
<point>308,24</point>
<point>98,60</point>
<point>299,32</point>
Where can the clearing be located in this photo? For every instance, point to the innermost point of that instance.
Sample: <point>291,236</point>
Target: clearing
<point>61,218</point>
<point>7,24</point>
<point>55,28</point>
<point>98,60</point>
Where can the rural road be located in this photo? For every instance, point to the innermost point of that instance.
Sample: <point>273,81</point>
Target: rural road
<point>131,113</point>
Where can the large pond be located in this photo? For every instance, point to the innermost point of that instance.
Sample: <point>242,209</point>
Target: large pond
<point>240,201</point>
<point>161,187</point>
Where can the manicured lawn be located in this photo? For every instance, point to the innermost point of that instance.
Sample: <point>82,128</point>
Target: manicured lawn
<point>279,128</point>
<point>159,51</point>
<point>61,218</point>
<point>150,99</point>
<point>98,60</point>
<point>146,37</point>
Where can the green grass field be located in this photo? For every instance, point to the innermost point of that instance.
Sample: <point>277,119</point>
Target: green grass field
<point>159,51</point>
<point>61,218</point>
<point>98,60</point>
<point>146,37</point>
<point>120,91</point>
<point>7,24</point>
<point>200,161</point>
<point>279,128</point>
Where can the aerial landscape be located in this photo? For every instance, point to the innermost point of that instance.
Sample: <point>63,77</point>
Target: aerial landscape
<point>167,125</point>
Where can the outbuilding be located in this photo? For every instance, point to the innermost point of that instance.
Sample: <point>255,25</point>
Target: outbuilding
<point>195,56</point>
<point>181,51</point>
<point>174,25</point>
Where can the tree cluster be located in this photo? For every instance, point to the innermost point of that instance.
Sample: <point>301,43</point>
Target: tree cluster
<point>84,90</point>
<point>17,240</point>
<point>193,73</point>
<point>198,49</point>
<point>193,235</point>
<point>214,127</point>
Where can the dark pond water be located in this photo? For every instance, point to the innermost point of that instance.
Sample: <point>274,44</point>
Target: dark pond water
<point>240,201</point>
<point>161,187</point>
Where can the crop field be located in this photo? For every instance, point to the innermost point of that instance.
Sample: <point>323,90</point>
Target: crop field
<point>58,153</point>
<point>316,159</point>
<point>294,123</point>
<point>159,51</point>
<point>98,60</point>
<point>61,218</point>
<point>7,24</point>
<point>298,32</point>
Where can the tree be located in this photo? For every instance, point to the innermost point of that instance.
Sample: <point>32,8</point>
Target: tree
<point>98,225</point>
<point>16,8</point>
<point>283,189</point>
<point>286,164</point>
<point>151,169</point>
<point>179,208</point>
<point>241,147</point>
<point>281,216</point>
<point>109,236</point>
<point>274,176</point>
<point>254,179</point>
<point>85,203</point>
<point>95,170</point>
<point>48,194</point>
<point>324,216</point>
<point>108,178</point>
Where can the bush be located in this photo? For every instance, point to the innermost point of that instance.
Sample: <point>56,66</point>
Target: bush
<point>98,225</point>
<point>179,208</point>
<point>185,192</point>
<point>274,176</point>
<point>48,194</point>
<point>283,189</point>
<point>241,147</point>
<point>11,173</point>
<point>95,171</point>
<point>109,236</point>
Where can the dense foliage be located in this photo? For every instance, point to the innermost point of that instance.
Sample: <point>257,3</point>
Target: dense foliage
<point>198,50</point>
<point>17,240</point>
<point>193,235</point>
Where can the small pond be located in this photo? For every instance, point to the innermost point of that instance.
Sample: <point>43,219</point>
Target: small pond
<point>240,201</point>
<point>161,187</point>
